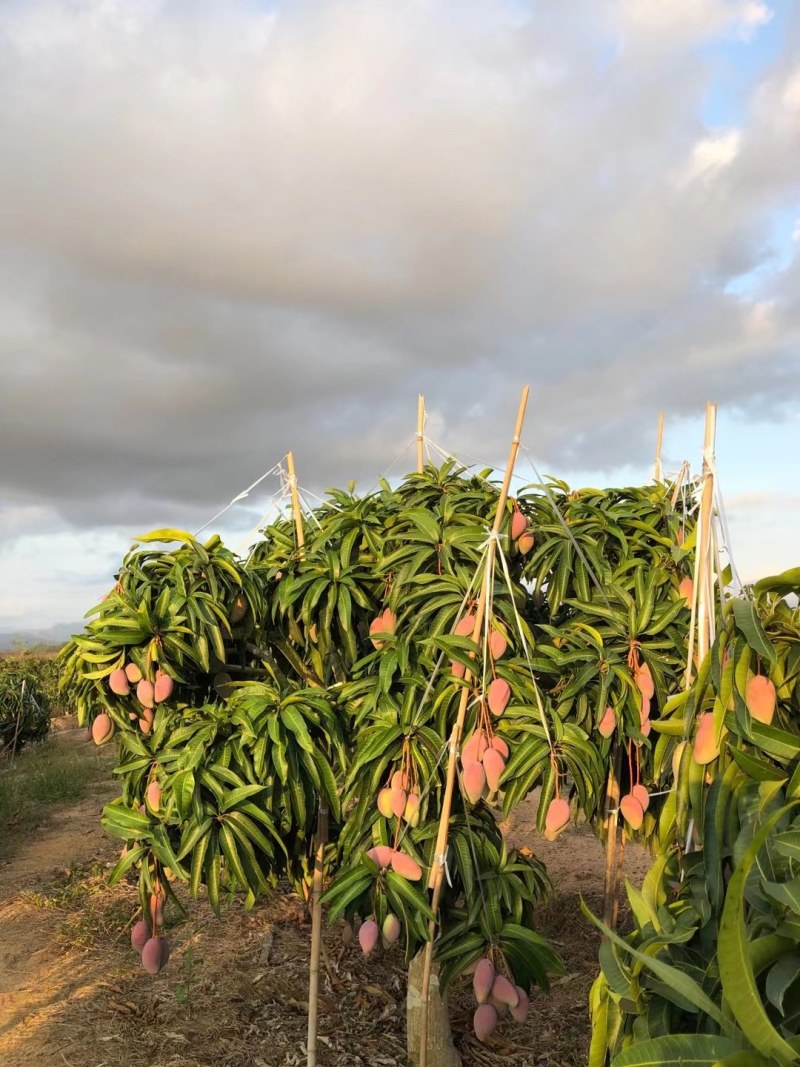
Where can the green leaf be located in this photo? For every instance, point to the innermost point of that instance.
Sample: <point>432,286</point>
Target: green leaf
<point>679,1050</point>
<point>748,622</point>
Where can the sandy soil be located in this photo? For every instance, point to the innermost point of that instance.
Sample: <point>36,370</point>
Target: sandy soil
<point>72,993</point>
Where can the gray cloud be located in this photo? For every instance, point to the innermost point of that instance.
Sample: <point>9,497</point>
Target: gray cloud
<point>234,230</point>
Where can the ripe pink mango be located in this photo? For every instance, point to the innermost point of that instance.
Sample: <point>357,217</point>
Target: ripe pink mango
<point>761,698</point>
<point>163,687</point>
<point>153,795</point>
<point>140,935</point>
<point>381,854</point>
<point>398,799</point>
<point>519,524</point>
<point>483,980</point>
<point>484,1021</point>
<point>706,748</point>
<point>154,955</point>
<point>400,780</point>
<point>608,723</point>
<point>499,745</point>
<point>631,811</point>
<point>641,795</point>
<point>411,813</point>
<point>505,991</point>
<point>102,729</point>
<point>118,683</point>
<point>556,819</point>
<point>368,934</point>
<point>465,626</point>
<point>493,766</point>
<point>498,645</point>
<point>686,590</point>
<point>457,668</point>
<point>498,696</point>
<point>406,867</point>
<point>520,1013</point>
<point>474,748</point>
<point>145,693</point>
<point>474,779</point>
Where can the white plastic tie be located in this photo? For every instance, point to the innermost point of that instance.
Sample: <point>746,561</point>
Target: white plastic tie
<point>441,859</point>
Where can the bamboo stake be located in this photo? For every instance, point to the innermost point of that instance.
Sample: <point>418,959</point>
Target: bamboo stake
<point>658,470</point>
<point>700,624</point>
<point>436,879</point>
<point>612,822</point>
<point>420,433</point>
<point>321,836</point>
<point>617,876</point>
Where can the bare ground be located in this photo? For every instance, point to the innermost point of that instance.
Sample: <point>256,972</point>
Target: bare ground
<point>72,993</point>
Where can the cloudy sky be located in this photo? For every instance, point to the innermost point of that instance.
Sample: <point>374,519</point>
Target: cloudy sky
<point>231,229</point>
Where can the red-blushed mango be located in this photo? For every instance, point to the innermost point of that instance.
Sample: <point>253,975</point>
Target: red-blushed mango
<point>505,991</point>
<point>761,698</point>
<point>406,867</point>
<point>706,748</point>
<point>641,794</point>
<point>498,646</point>
<point>376,627</point>
<point>411,813</point>
<point>102,729</point>
<point>525,543</point>
<point>390,929</point>
<point>556,819</point>
<point>499,745</point>
<point>133,715</point>
<point>520,1013</point>
<point>145,693</point>
<point>389,621</point>
<point>499,1007</point>
<point>398,800</point>
<point>608,723</point>
<point>400,780</point>
<point>140,935</point>
<point>493,766</point>
<point>239,610</point>
<point>162,690</point>
<point>132,673</point>
<point>644,681</point>
<point>645,726</point>
<point>118,683</point>
<point>686,590</point>
<point>153,796</point>
<point>631,811</point>
<point>474,780</point>
<point>484,1021</point>
<point>483,980</point>
<point>498,696</point>
<point>474,748</point>
<point>385,803</point>
<point>381,854</point>
<point>154,955</point>
<point>457,668</point>
<point>368,934</point>
<point>465,626</point>
<point>519,524</point>
<point>145,725</point>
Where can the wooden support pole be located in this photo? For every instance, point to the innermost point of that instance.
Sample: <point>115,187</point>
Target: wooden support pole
<point>658,470</point>
<point>702,599</point>
<point>611,824</point>
<point>420,433</point>
<point>436,879</point>
<point>296,509</point>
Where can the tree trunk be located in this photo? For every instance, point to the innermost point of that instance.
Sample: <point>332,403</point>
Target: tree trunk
<point>441,1052</point>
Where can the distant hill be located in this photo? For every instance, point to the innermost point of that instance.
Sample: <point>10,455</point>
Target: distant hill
<point>52,635</point>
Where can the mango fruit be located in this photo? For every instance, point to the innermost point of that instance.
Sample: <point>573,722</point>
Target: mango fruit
<point>493,766</point>
<point>381,854</point>
<point>153,795</point>
<point>499,745</point>
<point>411,813</point>
<point>465,625</point>
<point>162,690</point>
<point>483,980</point>
<point>641,794</point>
<point>474,748</point>
<point>102,729</point>
<point>140,935</point>
<point>385,806</point>
<point>398,799</point>
<point>520,1013</point>
<point>519,524</point>
<point>405,866</point>
<point>498,696</point>
<point>132,673</point>
<point>390,929</point>
<point>525,543</point>
<point>474,780</point>
<point>556,819</point>
<point>118,683</point>
<point>505,991</point>
<point>145,693</point>
<point>761,698</point>
<point>154,954</point>
<point>644,681</point>
<point>706,748</point>
<point>368,934</point>
<point>484,1021</point>
<point>686,590</point>
<point>631,811</point>
<point>498,645</point>
<point>400,780</point>
<point>608,723</point>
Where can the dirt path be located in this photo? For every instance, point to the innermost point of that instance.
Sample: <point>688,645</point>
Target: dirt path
<point>72,993</point>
